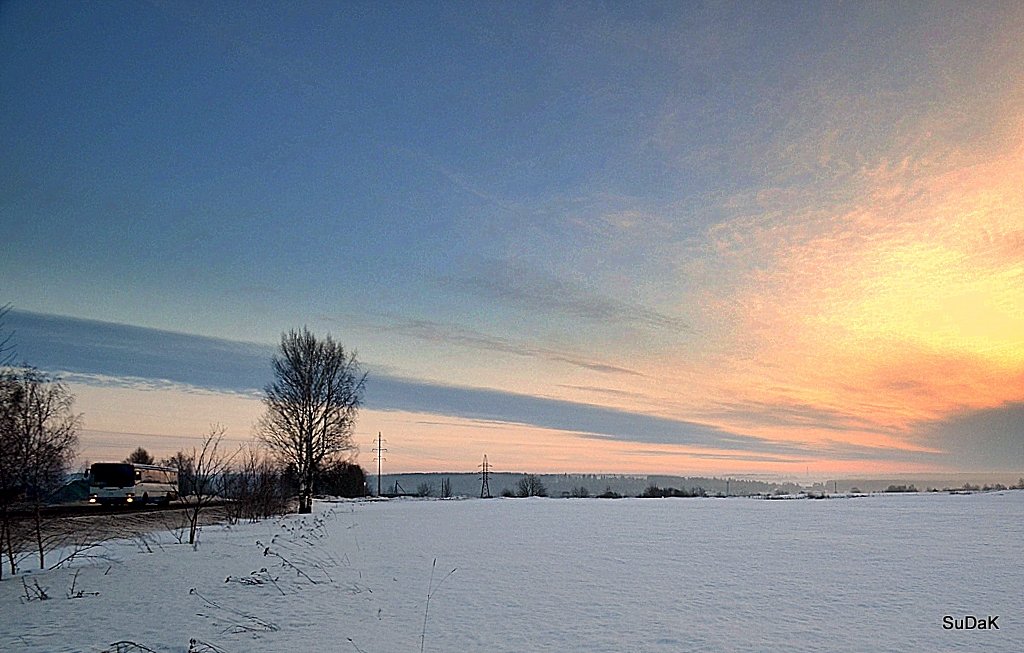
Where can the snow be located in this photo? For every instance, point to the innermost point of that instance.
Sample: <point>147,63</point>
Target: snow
<point>852,574</point>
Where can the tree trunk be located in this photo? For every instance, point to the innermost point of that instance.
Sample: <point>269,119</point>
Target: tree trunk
<point>193,523</point>
<point>10,546</point>
<point>306,482</point>
<point>3,538</point>
<point>39,537</point>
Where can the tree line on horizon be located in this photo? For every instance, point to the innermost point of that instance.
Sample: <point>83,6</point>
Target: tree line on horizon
<point>584,485</point>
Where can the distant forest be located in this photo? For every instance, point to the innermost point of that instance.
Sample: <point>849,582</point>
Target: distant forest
<point>437,484</point>
<point>572,485</point>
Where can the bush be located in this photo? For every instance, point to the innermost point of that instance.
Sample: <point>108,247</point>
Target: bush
<point>901,488</point>
<point>341,478</point>
<point>655,492</point>
<point>258,489</point>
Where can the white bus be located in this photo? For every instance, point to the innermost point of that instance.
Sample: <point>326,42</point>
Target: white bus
<point>132,483</point>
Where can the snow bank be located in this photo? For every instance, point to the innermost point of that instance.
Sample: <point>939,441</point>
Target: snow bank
<point>872,573</point>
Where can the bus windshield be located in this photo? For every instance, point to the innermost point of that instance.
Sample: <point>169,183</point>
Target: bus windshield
<point>112,475</point>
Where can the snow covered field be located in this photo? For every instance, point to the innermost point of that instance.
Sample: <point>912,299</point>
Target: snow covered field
<point>876,573</point>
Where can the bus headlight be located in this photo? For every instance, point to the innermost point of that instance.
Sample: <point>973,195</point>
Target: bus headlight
<point>130,498</point>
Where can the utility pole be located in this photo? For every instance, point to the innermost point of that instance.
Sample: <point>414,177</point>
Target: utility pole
<point>485,473</point>
<point>379,451</point>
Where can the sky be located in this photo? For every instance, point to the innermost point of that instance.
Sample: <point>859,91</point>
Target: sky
<point>695,238</point>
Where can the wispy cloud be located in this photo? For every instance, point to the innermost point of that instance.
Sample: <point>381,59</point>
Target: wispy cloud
<point>781,413</point>
<point>450,334</point>
<point>608,392</point>
<point>532,291</point>
<point>147,384</point>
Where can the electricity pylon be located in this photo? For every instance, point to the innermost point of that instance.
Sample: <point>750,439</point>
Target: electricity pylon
<point>485,473</point>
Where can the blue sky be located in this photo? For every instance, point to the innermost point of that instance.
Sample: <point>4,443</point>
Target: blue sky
<point>721,216</point>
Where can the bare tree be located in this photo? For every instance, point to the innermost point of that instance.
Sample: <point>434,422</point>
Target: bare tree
<point>311,407</point>
<point>140,456</point>
<point>38,438</point>
<point>531,486</point>
<point>10,464</point>
<point>205,468</point>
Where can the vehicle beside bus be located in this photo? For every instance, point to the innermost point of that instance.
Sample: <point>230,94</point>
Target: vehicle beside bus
<point>111,483</point>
